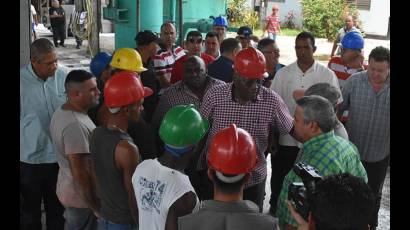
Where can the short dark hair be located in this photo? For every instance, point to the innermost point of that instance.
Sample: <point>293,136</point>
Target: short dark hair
<point>145,37</point>
<point>380,54</point>
<point>193,33</point>
<point>167,23</point>
<point>306,35</point>
<point>264,43</point>
<point>228,188</point>
<point>212,34</point>
<point>76,77</point>
<point>40,47</point>
<point>341,202</point>
<point>229,44</point>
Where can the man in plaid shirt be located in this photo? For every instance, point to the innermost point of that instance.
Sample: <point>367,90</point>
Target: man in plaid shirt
<point>190,90</point>
<point>315,120</point>
<point>251,107</point>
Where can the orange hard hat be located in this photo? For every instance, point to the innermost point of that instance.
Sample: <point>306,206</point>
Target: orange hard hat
<point>250,63</point>
<point>124,88</point>
<point>232,151</point>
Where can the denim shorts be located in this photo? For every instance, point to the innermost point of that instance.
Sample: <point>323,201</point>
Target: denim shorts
<point>104,224</point>
<point>79,218</point>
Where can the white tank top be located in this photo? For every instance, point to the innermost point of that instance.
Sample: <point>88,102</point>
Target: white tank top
<point>156,188</point>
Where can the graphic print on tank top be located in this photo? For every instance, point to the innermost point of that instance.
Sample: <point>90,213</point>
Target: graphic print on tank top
<point>152,194</point>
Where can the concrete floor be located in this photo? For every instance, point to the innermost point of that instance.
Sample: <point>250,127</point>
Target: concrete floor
<point>72,58</point>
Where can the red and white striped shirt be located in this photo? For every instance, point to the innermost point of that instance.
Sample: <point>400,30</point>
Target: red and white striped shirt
<point>165,59</point>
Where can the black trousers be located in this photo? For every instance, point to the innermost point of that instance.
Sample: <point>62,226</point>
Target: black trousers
<point>282,162</point>
<point>58,34</point>
<point>376,173</point>
<point>37,183</point>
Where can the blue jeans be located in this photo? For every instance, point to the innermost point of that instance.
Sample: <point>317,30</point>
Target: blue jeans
<point>272,36</point>
<point>104,224</point>
<point>79,219</point>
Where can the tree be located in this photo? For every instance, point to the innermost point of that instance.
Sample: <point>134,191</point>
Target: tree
<point>325,17</point>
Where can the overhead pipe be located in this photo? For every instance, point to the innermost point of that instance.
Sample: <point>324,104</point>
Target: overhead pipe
<point>172,9</point>
<point>138,16</point>
<point>181,28</point>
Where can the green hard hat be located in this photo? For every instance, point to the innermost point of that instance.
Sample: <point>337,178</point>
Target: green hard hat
<point>183,126</point>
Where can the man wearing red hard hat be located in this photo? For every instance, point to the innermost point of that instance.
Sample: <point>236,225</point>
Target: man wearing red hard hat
<point>232,156</point>
<point>114,154</point>
<point>252,107</point>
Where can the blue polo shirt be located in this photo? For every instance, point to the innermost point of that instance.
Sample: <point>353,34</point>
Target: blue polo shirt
<point>38,101</point>
<point>221,69</point>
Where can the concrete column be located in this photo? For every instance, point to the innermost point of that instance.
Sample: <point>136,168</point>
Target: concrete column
<point>25,32</point>
<point>94,39</point>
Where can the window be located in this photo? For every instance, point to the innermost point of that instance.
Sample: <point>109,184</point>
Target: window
<point>363,4</point>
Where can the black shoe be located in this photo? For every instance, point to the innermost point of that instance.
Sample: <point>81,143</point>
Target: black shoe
<point>63,45</point>
<point>55,45</point>
<point>77,47</point>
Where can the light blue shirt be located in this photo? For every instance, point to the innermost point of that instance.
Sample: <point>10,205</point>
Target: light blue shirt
<point>38,101</point>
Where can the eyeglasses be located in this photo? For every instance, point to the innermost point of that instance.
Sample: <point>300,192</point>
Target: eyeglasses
<point>48,63</point>
<point>196,41</point>
<point>271,52</point>
<point>244,38</point>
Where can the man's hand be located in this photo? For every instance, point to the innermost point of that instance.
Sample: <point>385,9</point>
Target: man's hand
<point>302,224</point>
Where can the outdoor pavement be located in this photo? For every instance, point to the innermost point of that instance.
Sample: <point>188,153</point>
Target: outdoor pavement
<point>72,58</point>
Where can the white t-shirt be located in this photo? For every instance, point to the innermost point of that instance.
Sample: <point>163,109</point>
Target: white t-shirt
<point>156,188</point>
<point>291,78</point>
<point>32,12</point>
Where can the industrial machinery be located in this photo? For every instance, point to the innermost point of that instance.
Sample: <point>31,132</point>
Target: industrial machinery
<point>130,17</point>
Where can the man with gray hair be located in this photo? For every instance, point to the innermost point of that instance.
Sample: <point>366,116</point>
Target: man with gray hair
<point>41,93</point>
<point>332,94</point>
<point>315,120</point>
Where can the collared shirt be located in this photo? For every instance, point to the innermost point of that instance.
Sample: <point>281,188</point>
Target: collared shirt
<point>329,154</point>
<point>179,94</point>
<point>165,59</point>
<point>368,124</point>
<point>222,69</point>
<point>238,215</point>
<point>290,78</point>
<point>38,101</point>
<point>256,117</point>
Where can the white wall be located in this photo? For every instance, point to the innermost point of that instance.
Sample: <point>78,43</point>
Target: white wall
<point>25,35</point>
<point>376,20</point>
<point>285,7</point>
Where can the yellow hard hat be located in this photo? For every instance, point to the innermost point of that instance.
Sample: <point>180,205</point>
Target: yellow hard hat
<point>127,59</point>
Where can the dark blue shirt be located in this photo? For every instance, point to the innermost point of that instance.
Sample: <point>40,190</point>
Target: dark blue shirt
<point>221,69</point>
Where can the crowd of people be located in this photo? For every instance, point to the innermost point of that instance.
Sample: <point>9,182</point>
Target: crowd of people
<point>160,136</point>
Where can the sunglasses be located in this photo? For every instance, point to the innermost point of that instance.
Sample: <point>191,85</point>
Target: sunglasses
<point>196,41</point>
<point>244,38</point>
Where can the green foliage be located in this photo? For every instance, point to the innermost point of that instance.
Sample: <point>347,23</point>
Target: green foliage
<point>240,15</point>
<point>325,17</point>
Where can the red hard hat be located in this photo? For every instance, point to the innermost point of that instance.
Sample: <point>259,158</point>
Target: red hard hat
<point>124,88</point>
<point>250,63</point>
<point>232,151</point>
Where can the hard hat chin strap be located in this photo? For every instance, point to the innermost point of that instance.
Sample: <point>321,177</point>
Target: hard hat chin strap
<point>231,179</point>
<point>177,151</point>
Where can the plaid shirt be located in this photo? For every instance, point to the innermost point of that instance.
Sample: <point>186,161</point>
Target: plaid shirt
<point>255,117</point>
<point>329,154</point>
<point>179,94</point>
<point>368,123</point>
